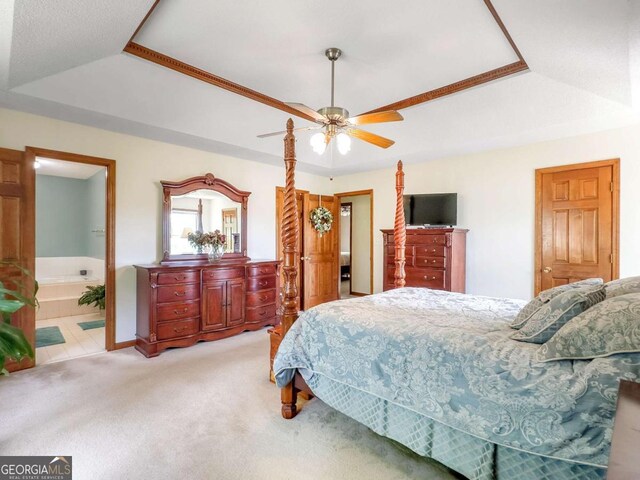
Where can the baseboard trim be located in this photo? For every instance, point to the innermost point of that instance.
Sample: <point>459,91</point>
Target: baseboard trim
<point>127,344</point>
<point>358,294</point>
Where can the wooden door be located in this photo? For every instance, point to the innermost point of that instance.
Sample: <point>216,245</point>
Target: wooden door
<point>17,234</point>
<point>577,223</point>
<point>279,207</point>
<point>214,298</point>
<point>235,302</point>
<point>320,253</point>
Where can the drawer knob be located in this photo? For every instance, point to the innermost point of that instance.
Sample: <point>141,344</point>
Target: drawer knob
<point>179,277</point>
<point>179,330</point>
<point>263,312</point>
<point>262,298</point>
<point>426,277</point>
<point>179,294</point>
<point>177,312</point>
<point>263,283</point>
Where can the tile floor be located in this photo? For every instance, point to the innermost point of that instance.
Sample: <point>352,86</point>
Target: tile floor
<point>78,342</point>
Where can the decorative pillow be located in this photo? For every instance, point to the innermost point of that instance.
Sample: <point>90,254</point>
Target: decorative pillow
<point>623,286</point>
<point>612,326</point>
<point>543,297</point>
<point>554,314</point>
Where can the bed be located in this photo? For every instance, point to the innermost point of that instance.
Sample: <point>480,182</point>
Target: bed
<point>437,372</point>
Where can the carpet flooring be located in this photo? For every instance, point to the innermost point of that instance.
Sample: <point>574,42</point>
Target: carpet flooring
<point>205,412</point>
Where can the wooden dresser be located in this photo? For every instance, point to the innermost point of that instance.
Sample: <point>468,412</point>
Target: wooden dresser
<point>435,258</point>
<point>184,303</point>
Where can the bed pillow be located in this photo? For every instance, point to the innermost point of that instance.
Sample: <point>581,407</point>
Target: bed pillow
<point>623,286</point>
<point>554,314</point>
<point>610,327</point>
<point>543,297</point>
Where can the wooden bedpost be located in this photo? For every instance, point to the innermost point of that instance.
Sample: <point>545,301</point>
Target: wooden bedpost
<point>290,234</point>
<point>399,230</point>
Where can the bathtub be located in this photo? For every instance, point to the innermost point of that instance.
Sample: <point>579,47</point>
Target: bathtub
<point>61,285</point>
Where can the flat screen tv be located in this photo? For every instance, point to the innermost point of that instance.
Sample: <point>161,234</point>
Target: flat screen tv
<point>431,209</point>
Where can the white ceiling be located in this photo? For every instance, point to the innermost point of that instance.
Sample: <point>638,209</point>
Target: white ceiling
<point>61,168</point>
<point>579,51</point>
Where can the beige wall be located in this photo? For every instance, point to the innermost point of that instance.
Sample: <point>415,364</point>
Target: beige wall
<point>141,164</point>
<point>496,193</point>
<point>361,254</point>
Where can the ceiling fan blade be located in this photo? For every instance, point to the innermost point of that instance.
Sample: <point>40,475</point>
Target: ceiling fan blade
<point>308,111</point>
<point>379,117</point>
<point>372,138</point>
<point>265,135</point>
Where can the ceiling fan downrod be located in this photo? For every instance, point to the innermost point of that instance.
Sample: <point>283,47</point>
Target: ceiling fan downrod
<point>333,54</point>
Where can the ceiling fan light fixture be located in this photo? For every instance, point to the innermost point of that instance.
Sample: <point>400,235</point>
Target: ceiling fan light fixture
<point>344,143</point>
<point>318,143</point>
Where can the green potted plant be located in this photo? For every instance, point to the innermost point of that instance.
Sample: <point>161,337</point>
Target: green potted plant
<point>13,343</point>
<point>93,295</point>
<point>214,240</point>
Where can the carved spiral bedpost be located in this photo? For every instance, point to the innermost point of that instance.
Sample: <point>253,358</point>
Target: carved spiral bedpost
<point>290,234</point>
<point>399,230</point>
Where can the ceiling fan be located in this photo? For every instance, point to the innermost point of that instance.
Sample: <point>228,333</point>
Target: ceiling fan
<point>335,121</point>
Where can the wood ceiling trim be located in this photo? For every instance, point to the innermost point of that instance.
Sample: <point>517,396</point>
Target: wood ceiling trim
<point>456,87</point>
<point>208,77</point>
<point>204,76</point>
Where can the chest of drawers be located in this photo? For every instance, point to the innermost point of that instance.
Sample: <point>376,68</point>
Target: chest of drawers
<point>435,258</point>
<point>179,305</point>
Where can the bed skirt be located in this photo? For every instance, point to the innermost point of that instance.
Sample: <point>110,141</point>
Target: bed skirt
<point>472,457</point>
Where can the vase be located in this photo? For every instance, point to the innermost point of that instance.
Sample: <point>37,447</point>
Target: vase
<point>215,253</point>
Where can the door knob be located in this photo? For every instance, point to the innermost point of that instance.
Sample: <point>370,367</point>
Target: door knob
<point>547,270</point>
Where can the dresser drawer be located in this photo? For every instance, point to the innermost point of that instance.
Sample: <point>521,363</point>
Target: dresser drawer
<point>181,328</point>
<point>408,250</point>
<point>174,311</point>
<point>430,251</point>
<point>259,270</point>
<point>176,293</point>
<point>192,276</point>
<point>408,260</point>
<point>222,273</point>
<point>432,262</point>
<point>259,299</point>
<point>425,277</point>
<point>259,314</point>
<point>427,239</point>
<point>261,283</point>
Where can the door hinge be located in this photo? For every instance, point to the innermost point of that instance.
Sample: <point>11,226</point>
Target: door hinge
<point>611,258</point>
<point>611,186</point>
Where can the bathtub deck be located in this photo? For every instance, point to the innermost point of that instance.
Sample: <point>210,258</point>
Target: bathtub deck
<point>78,342</point>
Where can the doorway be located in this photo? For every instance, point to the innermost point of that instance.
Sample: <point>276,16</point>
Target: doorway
<point>356,243</point>
<point>346,246</point>
<point>577,218</point>
<point>75,254</point>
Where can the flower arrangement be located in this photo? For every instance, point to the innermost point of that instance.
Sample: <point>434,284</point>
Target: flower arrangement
<point>206,239</point>
<point>215,240</point>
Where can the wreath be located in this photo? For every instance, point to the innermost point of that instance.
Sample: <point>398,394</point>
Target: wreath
<point>321,219</point>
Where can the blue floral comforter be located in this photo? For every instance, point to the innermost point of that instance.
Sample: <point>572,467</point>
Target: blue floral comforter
<point>449,357</point>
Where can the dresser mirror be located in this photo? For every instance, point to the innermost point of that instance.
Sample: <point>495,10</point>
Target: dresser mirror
<point>203,204</point>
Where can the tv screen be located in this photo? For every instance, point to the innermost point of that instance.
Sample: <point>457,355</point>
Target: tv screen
<point>431,209</point>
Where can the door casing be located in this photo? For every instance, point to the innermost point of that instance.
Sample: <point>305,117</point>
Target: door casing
<point>615,214</point>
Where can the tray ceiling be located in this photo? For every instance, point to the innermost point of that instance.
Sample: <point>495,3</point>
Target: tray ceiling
<point>277,49</point>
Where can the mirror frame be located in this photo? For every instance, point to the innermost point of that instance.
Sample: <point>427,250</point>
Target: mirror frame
<point>205,182</point>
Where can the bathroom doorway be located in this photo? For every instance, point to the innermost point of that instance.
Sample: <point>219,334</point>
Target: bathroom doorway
<point>74,266</point>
